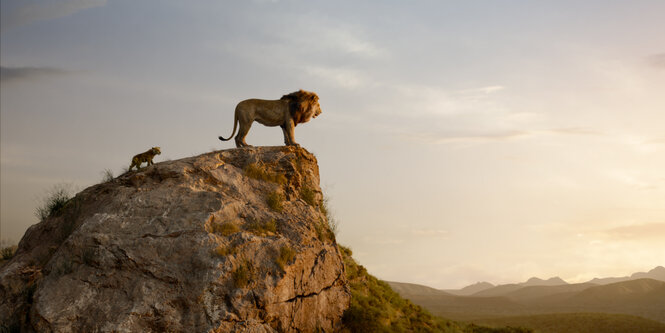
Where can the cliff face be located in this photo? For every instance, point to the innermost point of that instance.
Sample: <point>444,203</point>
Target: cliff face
<point>227,241</point>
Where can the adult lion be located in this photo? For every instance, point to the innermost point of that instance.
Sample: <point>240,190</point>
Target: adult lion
<point>286,112</point>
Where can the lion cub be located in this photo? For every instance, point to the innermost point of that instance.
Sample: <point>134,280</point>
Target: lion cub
<point>144,157</point>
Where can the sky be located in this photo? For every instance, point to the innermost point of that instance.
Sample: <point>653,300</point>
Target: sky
<point>460,141</point>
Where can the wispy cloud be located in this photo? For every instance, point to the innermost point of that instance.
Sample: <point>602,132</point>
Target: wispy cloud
<point>637,232</point>
<point>493,136</point>
<point>431,233</point>
<point>341,77</point>
<point>434,138</point>
<point>657,60</point>
<point>26,73</point>
<point>45,10</point>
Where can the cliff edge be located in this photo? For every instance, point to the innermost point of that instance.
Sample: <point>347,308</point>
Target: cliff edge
<point>228,241</point>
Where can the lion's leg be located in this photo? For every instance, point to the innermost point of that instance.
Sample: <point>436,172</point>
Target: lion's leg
<point>242,133</point>
<point>289,134</point>
<point>286,135</point>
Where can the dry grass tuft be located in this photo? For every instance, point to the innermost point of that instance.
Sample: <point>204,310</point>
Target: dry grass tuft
<point>286,255</point>
<point>275,201</point>
<point>261,172</point>
<point>262,228</point>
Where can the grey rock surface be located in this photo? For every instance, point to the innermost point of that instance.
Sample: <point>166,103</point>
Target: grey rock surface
<point>192,245</point>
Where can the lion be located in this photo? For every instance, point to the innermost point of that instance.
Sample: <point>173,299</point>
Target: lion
<point>144,157</point>
<point>287,112</point>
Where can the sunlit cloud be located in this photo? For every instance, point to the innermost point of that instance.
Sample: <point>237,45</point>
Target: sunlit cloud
<point>632,179</point>
<point>652,231</point>
<point>494,136</point>
<point>45,10</point>
<point>433,138</point>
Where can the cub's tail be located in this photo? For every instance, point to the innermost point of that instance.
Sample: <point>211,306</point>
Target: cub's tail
<point>235,126</point>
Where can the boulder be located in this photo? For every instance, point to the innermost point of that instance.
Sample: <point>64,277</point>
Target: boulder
<point>228,241</point>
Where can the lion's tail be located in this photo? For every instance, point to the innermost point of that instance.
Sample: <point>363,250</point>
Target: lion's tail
<point>235,126</point>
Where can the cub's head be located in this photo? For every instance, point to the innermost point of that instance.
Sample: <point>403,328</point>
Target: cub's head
<point>156,151</point>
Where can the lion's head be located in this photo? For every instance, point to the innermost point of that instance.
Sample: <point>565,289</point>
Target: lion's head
<point>156,151</point>
<point>303,105</point>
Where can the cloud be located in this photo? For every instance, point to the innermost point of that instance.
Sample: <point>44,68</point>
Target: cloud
<point>431,233</point>
<point>657,60</point>
<point>26,73</point>
<point>493,136</point>
<point>344,78</point>
<point>574,131</point>
<point>45,10</point>
<point>433,138</point>
<point>637,232</point>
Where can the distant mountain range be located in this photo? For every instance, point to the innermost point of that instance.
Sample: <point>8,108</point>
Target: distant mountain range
<point>487,289</point>
<point>641,294</point>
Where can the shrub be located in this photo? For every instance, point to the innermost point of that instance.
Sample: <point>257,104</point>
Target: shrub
<point>107,175</point>
<point>323,232</point>
<point>286,255</point>
<point>54,201</point>
<point>260,172</point>
<point>225,229</point>
<point>243,274</point>
<point>308,195</point>
<point>275,201</point>
<point>330,218</point>
<point>262,228</point>
<point>8,252</point>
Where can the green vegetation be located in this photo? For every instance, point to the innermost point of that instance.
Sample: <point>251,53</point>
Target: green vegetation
<point>324,232</point>
<point>308,195</point>
<point>262,228</point>
<point>275,201</point>
<point>286,254</point>
<point>260,172</point>
<point>224,229</point>
<point>375,307</point>
<point>54,201</point>
<point>243,274</point>
<point>332,221</point>
<point>579,322</point>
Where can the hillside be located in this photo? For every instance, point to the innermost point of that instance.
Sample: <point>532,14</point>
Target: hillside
<point>642,297</point>
<point>532,293</point>
<point>470,289</point>
<point>231,240</point>
<point>415,289</point>
<point>504,289</point>
<point>657,273</point>
<point>376,307</point>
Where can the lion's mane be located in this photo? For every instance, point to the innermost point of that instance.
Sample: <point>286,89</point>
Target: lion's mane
<point>300,105</point>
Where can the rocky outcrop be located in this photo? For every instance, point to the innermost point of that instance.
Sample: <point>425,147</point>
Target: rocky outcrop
<point>229,241</point>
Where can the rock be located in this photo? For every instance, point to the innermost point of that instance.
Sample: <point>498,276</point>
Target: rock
<point>192,245</point>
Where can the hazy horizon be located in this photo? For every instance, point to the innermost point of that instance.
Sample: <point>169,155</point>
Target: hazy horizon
<point>459,142</point>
